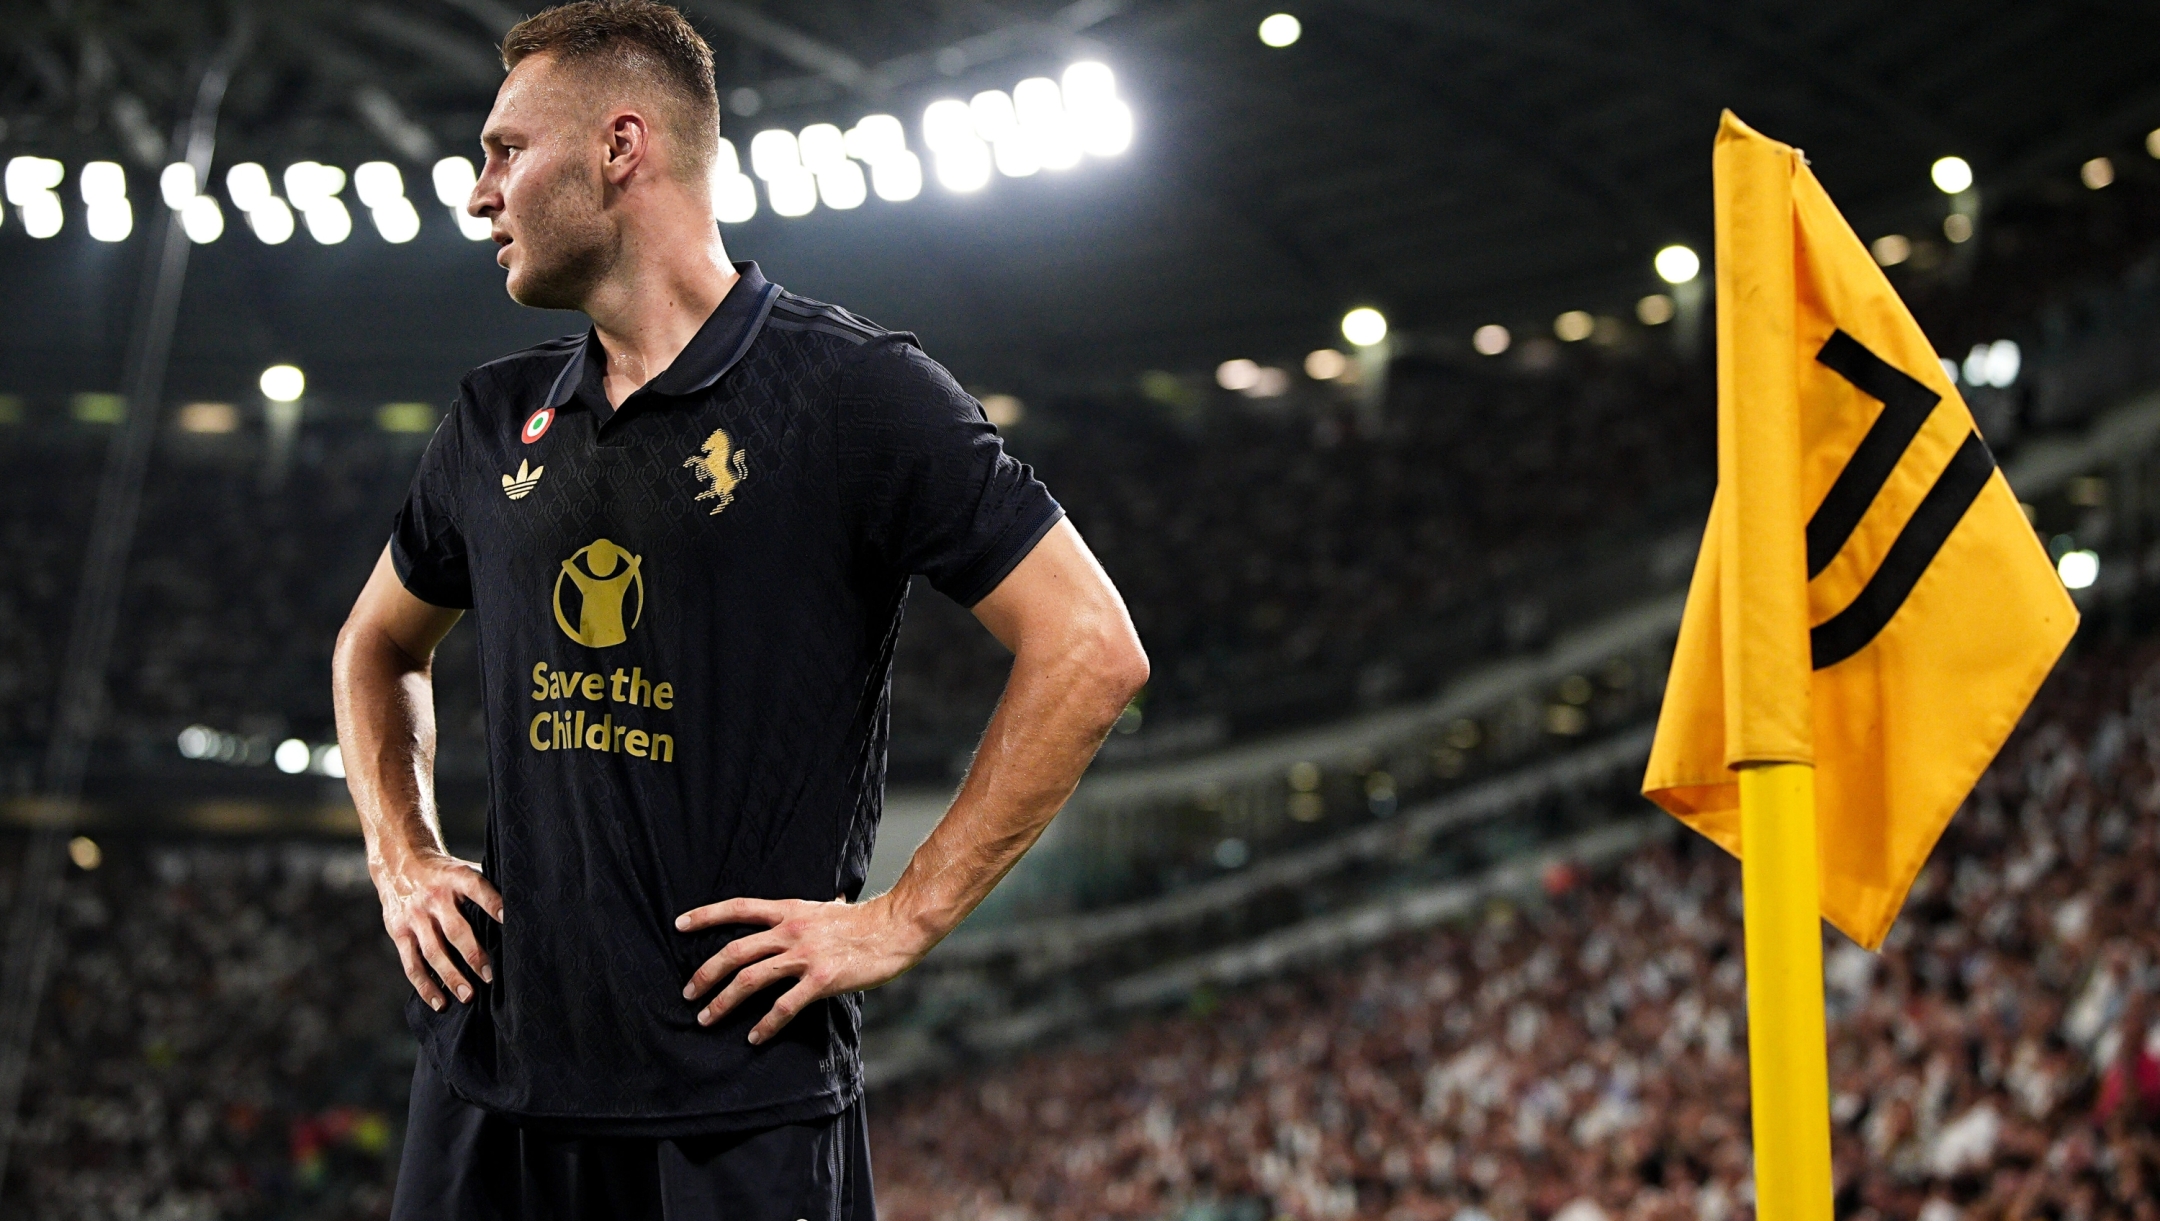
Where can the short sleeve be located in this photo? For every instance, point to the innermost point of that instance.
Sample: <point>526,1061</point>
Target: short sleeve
<point>427,547</point>
<point>925,477</point>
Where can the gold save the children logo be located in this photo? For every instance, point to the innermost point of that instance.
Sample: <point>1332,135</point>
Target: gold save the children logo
<point>722,466</point>
<point>602,577</point>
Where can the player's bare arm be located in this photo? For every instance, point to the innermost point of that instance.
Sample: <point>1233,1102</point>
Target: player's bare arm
<point>383,685</point>
<point>1076,664</point>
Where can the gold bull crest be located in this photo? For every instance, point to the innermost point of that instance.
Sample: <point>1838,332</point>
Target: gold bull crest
<point>722,465</point>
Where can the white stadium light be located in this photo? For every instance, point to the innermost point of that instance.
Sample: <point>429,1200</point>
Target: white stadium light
<point>841,186</point>
<point>1992,364</point>
<point>1491,339</point>
<point>876,137</point>
<point>327,220</point>
<point>734,195</point>
<point>282,383</point>
<point>313,188</point>
<point>994,116</point>
<point>1952,175</point>
<point>454,179</point>
<point>1103,123</point>
<point>793,194</point>
<point>2078,569</point>
<point>272,221</point>
<point>202,220</point>
<point>103,185</point>
<point>396,221</point>
<point>897,177</point>
<point>247,185</point>
<point>774,154</point>
<point>1364,326</point>
<point>1280,30</point>
<point>1239,375</point>
<point>964,167</point>
<point>291,757</point>
<point>176,185</point>
<point>1677,264</point>
<point>822,147</point>
<point>1040,105</point>
<point>30,183</point>
<point>382,188</point>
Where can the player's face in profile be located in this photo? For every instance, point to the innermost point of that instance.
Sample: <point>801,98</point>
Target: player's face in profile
<point>542,187</point>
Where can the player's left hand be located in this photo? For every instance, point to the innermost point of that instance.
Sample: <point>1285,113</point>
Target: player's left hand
<point>827,948</point>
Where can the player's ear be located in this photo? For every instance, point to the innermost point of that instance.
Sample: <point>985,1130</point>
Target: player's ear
<point>629,144</point>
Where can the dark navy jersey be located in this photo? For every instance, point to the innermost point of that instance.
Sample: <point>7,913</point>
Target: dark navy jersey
<point>686,610</point>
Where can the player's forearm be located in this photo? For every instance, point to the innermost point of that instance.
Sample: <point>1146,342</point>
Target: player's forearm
<point>1063,696</point>
<point>386,733</point>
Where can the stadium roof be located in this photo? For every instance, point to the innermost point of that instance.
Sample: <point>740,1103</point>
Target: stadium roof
<point>1451,163</point>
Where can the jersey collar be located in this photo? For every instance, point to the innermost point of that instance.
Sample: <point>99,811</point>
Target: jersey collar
<point>718,344</point>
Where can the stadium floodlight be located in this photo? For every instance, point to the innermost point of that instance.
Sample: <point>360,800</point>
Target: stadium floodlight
<point>272,220</point>
<point>1574,326</point>
<point>948,123</point>
<point>2097,173</point>
<point>822,147</point>
<point>1325,364</point>
<point>1654,310</point>
<point>1102,123</point>
<point>1952,175</point>
<point>308,183</point>
<point>202,220</point>
<point>176,185</point>
<point>282,383</point>
<point>30,185</point>
<point>1240,374</point>
<point>377,183</point>
<point>1280,29</point>
<point>841,185</point>
<point>396,221</point>
<point>2152,143</point>
<point>327,221</point>
<point>774,154</point>
<point>793,194</point>
<point>964,167</point>
<point>1677,264</point>
<point>1015,157</point>
<point>108,215</point>
<point>993,115</point>
<point>454,179</point>
<point>2078,569</point>
<point>1993,364</point>
<point>1364,326</point>
<point>1040,106</point>
<point>734,195</point>
<point>247,185</point>
<point>1491,339</point>
<point>875,138</point>
<point>897,177</point>
<point>291,756</point>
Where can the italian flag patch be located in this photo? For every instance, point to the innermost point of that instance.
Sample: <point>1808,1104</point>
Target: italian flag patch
<point>536,425</point>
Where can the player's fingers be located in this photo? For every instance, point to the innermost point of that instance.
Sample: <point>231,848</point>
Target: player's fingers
<point>474,885</point>
<point>459,930</point>
<point>416,971</point>
<point>741,951</point>
<point>732,911</point>
<point>750,980</point>
<point>437,953</point>
<point>784,1010</point>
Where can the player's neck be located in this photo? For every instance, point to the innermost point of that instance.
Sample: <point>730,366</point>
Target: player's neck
<point>663,289</point>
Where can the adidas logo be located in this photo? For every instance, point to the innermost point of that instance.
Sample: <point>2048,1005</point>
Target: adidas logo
<point>520,485</point>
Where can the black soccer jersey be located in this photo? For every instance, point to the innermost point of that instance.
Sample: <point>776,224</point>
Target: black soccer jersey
<point>686,611</point>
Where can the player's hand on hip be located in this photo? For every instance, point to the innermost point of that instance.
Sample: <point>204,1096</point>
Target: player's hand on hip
<point>419,901</point>
<point>827,948</point>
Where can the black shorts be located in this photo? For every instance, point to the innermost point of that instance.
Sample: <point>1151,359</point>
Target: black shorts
<point>463,1163</point>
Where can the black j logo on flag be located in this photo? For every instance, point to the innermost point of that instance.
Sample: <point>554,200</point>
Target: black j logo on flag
<point>1906,407</point>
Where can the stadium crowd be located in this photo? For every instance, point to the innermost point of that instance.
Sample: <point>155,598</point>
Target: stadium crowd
<point>1581,1054</point>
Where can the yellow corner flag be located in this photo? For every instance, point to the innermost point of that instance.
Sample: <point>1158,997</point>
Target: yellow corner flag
<point>1869,598</point>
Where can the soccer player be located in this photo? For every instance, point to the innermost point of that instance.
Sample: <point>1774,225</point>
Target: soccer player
<point>686,537</point>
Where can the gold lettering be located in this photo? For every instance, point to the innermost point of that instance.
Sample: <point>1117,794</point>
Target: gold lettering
<point>663,746</point>
<point>596,734</point>
<point>635,741</point>
<point>615,685</point>
<point>562,732</point>
<point>540,683</point>
<point>663,695</point>
<point>620,730</point>
<point>594,685</point>
<point>533,734</point>
<point>637,682</point>
<point>577,730</point>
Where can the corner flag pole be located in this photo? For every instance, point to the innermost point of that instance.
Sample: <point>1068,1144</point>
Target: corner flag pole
<point>1788,1067</point>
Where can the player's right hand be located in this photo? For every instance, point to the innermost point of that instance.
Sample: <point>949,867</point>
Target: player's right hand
<point>420,910</point>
